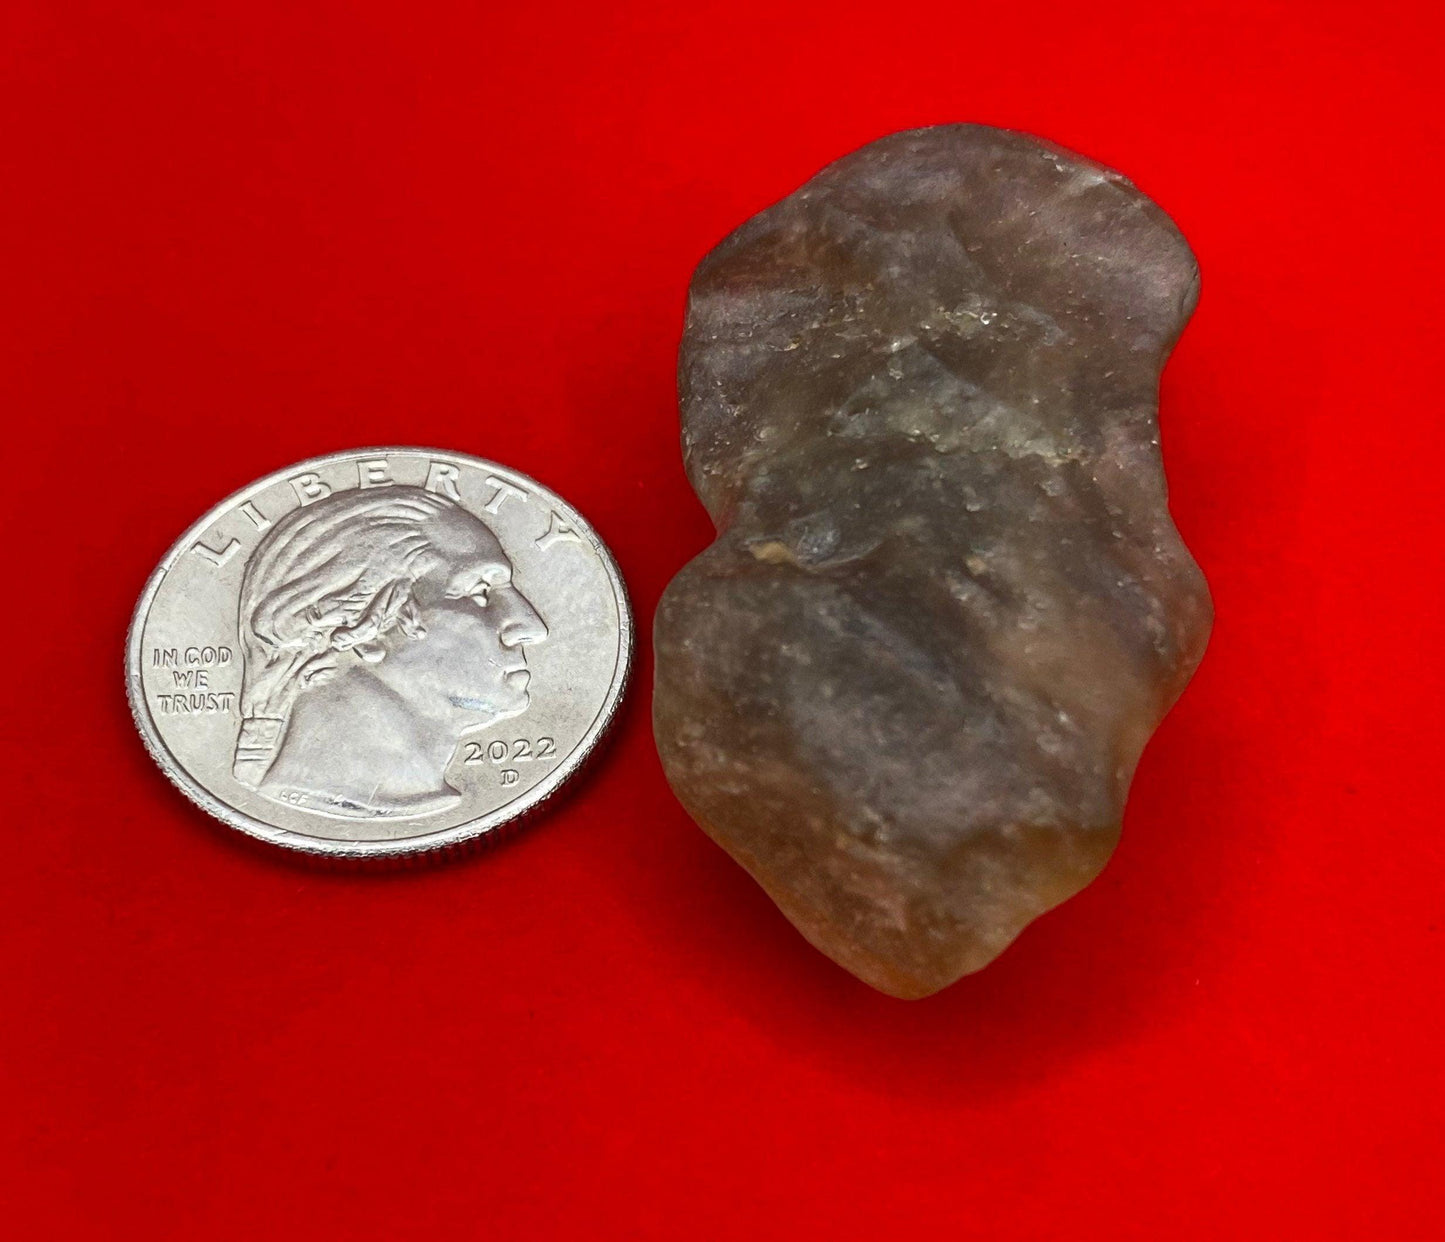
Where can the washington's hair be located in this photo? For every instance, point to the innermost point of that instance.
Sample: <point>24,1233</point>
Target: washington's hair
<point>332,577</point>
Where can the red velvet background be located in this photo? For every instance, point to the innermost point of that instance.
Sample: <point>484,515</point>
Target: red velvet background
<point>238,234</point>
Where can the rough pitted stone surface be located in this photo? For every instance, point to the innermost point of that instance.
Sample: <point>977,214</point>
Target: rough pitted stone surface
<point>908,685</point>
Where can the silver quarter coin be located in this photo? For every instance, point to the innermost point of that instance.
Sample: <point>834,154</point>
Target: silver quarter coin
<point>382,652</point>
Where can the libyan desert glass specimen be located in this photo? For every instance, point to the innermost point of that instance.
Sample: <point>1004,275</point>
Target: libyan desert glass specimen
<point>908,685</point>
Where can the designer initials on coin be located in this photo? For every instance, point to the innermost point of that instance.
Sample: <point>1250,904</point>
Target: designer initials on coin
<point>380,652</point>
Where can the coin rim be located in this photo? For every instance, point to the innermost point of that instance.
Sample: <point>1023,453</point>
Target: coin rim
<point>442,840</point>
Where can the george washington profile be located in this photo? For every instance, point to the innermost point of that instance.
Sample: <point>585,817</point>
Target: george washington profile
<point>378,626</point>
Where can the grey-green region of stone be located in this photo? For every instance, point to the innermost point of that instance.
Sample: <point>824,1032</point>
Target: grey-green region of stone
<point>908,685</point>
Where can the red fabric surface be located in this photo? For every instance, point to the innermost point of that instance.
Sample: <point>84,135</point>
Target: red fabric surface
<point>236,235</point>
